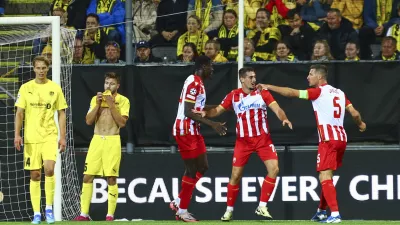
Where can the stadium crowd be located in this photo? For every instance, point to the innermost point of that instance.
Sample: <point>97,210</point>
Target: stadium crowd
<point>275,30</point>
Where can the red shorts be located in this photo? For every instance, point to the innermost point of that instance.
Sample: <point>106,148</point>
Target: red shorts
<point>190,146</point>
<point>330,155</point>
<point>245,146</point>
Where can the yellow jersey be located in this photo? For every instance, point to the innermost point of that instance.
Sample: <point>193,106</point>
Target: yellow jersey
<point>40,101</point>
<point>121,103</point>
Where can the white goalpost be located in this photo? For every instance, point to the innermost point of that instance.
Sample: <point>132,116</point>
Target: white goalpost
<point>19,36</point>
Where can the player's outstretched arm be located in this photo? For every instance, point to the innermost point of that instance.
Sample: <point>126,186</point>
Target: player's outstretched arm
<point>285,91</point>
<point>217,126</point>
<point>19,117</point>
<point>357,118</point>
<point>280,114</point>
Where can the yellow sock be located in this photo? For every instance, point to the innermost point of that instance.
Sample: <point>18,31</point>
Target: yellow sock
<point>86,197</point>
<point>34,189</point>
<point>49,185</point>
<point>112,199</point>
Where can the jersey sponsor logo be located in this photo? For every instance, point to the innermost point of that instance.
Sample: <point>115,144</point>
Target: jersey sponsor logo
<point>243,107</point>
<point>193,91</point>
<point>51,93</point>
<point>191,97</point>
<point>41,105</point>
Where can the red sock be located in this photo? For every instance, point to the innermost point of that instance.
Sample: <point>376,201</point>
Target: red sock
<point>233,191</point>
<point>322,201</point>
<point>198,176</point>
<point>188,185</point>
<point>330,195</point>
<point>267,189</point>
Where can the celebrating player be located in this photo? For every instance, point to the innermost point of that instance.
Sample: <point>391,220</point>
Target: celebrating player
<point>109,111</point>
<point>186,131</point>
<point>329,106</point>
<point>37,102</point>
<point>250,106</point>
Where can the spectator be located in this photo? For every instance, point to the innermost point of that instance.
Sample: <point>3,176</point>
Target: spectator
<point>377,14</point>
<point>40,43</point>
<point>189,53</point>
<point>314,11</point>
<point>283,53</point>
<point>351,10</point>
<point>210,13</point>
<point>278,10</point>
<point>94,40</point>
<point>212,51</point>
<point>76,11</point>
<point>299,35</point>
<point>2,5</point>
<point>264,37</point>
<point>170,22</point>
<point>337,31</point>
<point>113,52</point>
<point>78,52</point>
<point>110,12</point>
<point>143,53</point>
<point>352,51</point>
<point>144,19</point>
<point>47,53</point>
<point>249,51</point>
<point>394,30</point>
<point>227,35</point>
<point>321,51</point>
<point>194,35</point>
<point>250,12</point>
<point>388,50</point>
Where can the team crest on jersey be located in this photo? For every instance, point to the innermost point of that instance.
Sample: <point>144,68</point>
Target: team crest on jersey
<point>193,91</point>
<point>51,93</point>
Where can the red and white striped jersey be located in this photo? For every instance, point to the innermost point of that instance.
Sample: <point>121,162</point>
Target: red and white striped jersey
<point>329,106</point>
<point>251,111</point>
<point>192,91</point>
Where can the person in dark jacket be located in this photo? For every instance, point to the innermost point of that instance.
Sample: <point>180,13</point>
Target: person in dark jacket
<point>143,53</point>
<point>377,21</point>
<point>388,50</point>
<point>337,31</point>
<point>299,35</point>
<point>170,27</point>
<point>76,10</point>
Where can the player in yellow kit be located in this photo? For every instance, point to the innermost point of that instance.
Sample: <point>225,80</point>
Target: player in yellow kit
<point>37,102</point>
<point>109,111</point>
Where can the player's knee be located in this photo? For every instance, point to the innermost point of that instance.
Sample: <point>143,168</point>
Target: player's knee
<point>274,172</point>
<point>111,180</point>
<point>235,178</point>
<point>203,169</point>
<point>35,175</point>
<point>49,172</point>
<point>88,179</point>
<point>323,175</point>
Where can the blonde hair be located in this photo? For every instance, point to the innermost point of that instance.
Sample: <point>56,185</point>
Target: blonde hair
<point>41,59</point>
<point>327,50</point>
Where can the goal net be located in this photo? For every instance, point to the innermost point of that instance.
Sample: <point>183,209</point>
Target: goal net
<point>19,44</point>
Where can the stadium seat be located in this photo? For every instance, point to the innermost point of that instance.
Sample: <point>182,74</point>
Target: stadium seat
<point>164,50</point>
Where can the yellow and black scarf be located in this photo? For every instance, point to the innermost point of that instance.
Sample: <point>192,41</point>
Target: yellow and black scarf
<point>105,7</point>
<point>61,4</point>
<point>223,33</point>
<point>204,16</point>
<point>88,55</point>
<point>383,11</point>
<point>394,57</point>
<point>199,43</point>
<point>395,32</point>
<point>355,59</point>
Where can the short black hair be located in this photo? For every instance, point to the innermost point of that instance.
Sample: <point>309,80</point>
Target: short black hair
<point>243,71</point>
<point>94,15</point>
<point>355,43</point>
<point>291,13</point>
<point>266,12</point>
<point>321,69</point>
<point>201,61</point>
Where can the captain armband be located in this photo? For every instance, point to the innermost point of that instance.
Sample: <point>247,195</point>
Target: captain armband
<point>303,94</point>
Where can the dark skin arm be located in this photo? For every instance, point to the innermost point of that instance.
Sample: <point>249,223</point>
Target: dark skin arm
<point>217,126</point>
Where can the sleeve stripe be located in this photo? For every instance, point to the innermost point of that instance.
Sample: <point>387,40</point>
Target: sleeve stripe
<point>347,106</point>
<point>274,102</point>
<point>186,100</point>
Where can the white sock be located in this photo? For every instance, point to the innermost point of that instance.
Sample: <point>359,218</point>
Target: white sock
<point>178,200</point>
<point>321,210</point>
<point>181,211</point>
<point>229,208</point>
<point>37,213</point>
<point>110,215</point>
<point>49,207</point>
<point>263,204</point>
<point>84,215</point>
<point>334,214</point>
